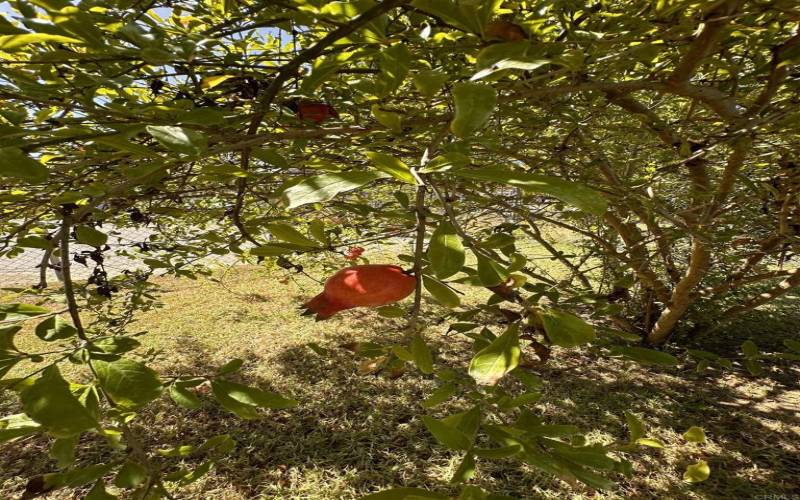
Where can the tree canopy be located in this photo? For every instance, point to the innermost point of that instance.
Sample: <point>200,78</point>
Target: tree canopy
<point>662,134</point>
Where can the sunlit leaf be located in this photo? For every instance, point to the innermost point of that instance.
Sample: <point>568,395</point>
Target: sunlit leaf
<point>445,251</point>
<point>179,139</point>
<point>695,435</point>
<point>565,329</point>
<point>130,384</point>
<point>498,358</point>
<point>583,197</point>
<point>326,186</point>
<point>50,403</point>
<point>697,472</point>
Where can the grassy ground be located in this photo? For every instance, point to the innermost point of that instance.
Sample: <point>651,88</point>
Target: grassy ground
<point>353,434</point>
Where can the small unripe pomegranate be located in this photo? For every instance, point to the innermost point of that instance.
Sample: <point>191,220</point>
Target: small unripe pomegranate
<point>354,253</point>
<point>369,285</point>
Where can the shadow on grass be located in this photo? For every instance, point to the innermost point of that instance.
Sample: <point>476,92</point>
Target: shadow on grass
<point>352,434</point>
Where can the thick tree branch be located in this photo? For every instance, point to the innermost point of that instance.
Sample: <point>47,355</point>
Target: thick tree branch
<point>705,44</point>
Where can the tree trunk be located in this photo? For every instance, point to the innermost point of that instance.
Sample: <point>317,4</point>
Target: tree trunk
<point>681,297</point>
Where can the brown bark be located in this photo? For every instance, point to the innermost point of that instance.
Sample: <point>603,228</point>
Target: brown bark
<point>783,287</point>
<point>681,297</point>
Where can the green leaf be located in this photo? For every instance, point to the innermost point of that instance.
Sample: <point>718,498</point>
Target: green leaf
<point>90,236</point>
<point>496,52</point>
<point>445,162</point>
<point>181,394</point>
<point>391,120</point>
<point>128,383</point>
<point>13,312</point>
<point>635,426</point>
<point>211,81</point>
<point>55,328</point>
<point>285,232</point>
<point>33,241</point>
<point>441,292</point>
<point>554,430</point>
<point>230,367</point>
<point>467,422</point>
<point>750,349</point>
<point>507,64</point>
<point>651,442</point>
<point>16,426</point>
<point>475,103</point>
<point>63,451</point>
<point>130,475</point>
<point>155,56</point>
<point>250,396</point>
<point>465,471</point>
<point>391,311</point>
<point>695,435</point>
<point>439,396</point>
<point>566,330</point>
<point>273,250</point>
<point>421,354</point>
<point>428,83</point>
<point>184,477</point>
<point>325,187</point>
<point>470,492</point>
<point>498,358</point>
<point>497,453</point>
<point>697,472</point>
<point>117,344</point>
<point>323,70</point>
<point>645,356</point>
<point>220,444</point>
<point>270,156</point>
<point>16,164</point>
<point>469,16</point>
<point>179,139</point>
<point>392,166</point>
<point>446,251</point>
<point>753,367</point>
<point>10,43</point>
<point>394,63</point>
<point>448,435</point>
<point>241,410</point>
<point>404,494</point>
<point>98,492</point>
<point>578,195</point>
<point>49,402</point>
<point>792,345</point>
<point>490,272</point>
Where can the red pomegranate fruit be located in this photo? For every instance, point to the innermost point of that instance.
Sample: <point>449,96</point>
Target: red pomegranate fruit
<point>504,30</point>
<point>369,285</point>
<point>314,111</point>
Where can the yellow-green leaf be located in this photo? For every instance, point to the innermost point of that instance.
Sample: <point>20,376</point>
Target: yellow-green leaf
<point>209,82</point>
<point>697,472</point>
<point>695,435</point>
<point>13,42</point>
<point>392,166</point>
